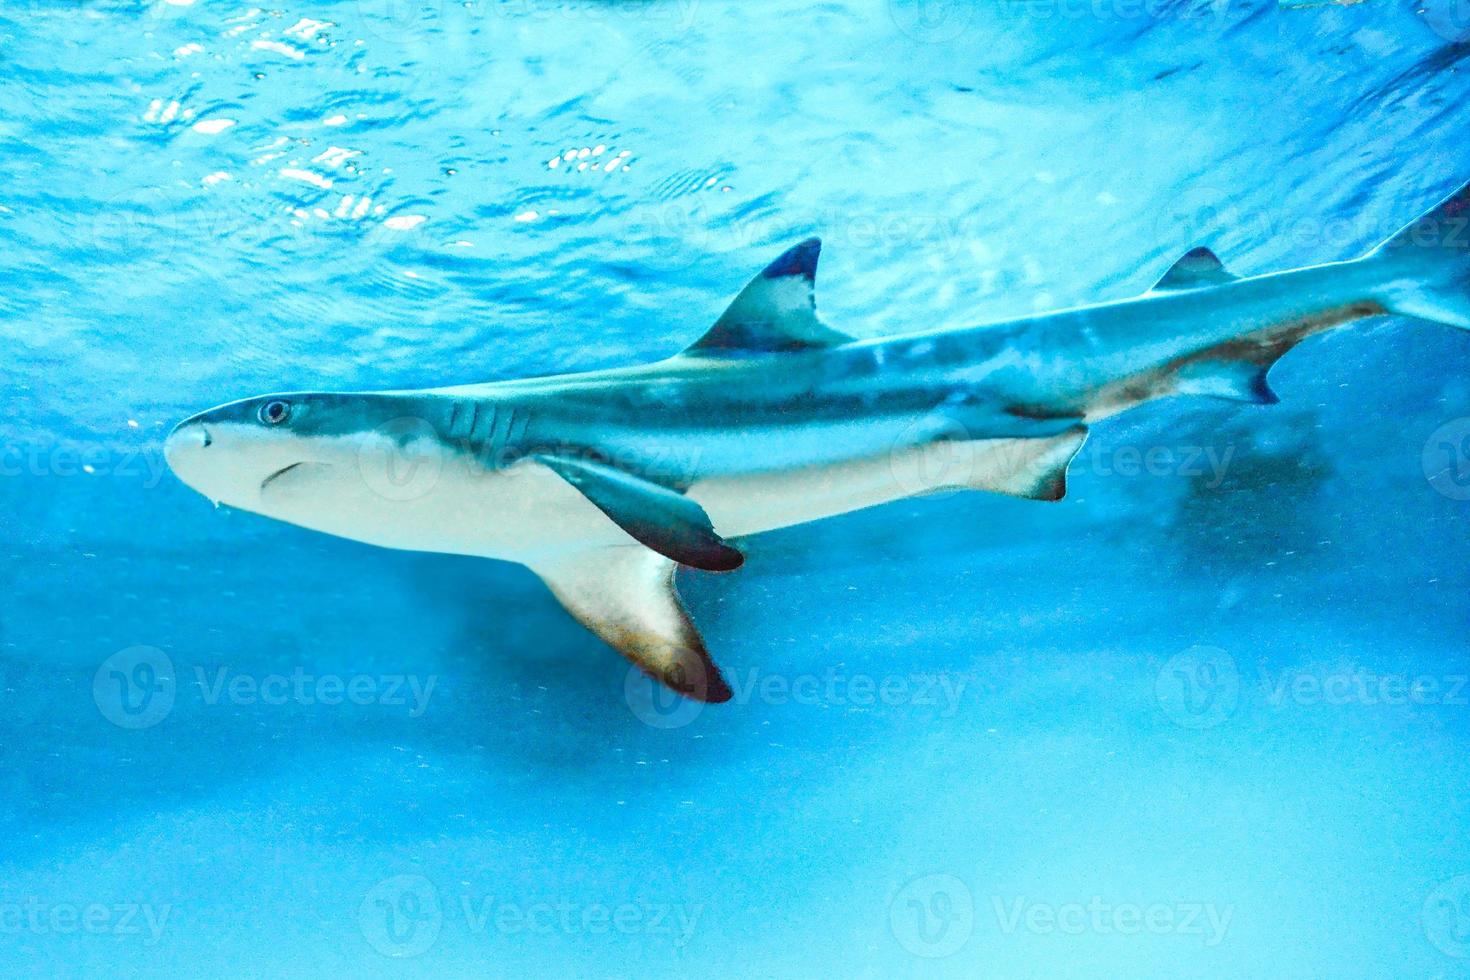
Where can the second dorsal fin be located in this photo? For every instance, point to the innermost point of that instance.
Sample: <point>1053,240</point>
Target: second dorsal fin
<point>1199,267</point>
<point>776,311</point>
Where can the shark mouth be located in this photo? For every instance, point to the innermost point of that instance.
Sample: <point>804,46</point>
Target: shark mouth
<point>279,473</point>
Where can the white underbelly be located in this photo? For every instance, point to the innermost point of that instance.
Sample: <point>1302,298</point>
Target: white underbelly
<point>523,513</point>
<point>530,514</point>
<point>749,503</point>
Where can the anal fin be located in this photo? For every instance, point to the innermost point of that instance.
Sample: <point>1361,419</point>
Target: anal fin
<point>626,595</point>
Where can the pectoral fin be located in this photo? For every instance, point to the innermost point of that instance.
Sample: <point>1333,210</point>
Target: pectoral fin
<point>664,520</point>
<point>626,595</point>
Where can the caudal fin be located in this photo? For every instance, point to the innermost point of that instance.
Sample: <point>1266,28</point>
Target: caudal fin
<point>1428,264</point>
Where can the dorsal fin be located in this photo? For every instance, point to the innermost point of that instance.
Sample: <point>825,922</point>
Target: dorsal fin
<point>776,311</point>
<point>1199,267</point>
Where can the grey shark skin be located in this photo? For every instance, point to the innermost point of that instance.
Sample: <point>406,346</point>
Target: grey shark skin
<point>604,482</point>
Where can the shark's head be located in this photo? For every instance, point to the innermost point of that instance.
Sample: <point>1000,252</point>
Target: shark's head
<point>311,458</point>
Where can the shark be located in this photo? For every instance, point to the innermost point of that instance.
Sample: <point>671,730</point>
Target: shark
<point>606,482</point>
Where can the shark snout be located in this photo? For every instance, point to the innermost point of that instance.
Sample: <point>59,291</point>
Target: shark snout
<point>189,435</point>
<point>186,448</point>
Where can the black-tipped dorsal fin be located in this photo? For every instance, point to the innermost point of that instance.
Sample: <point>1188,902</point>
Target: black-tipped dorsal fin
<point>776,311</point>
<point>1199,267</point>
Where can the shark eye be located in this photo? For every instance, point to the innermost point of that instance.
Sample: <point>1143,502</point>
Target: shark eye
<point>275,412</point>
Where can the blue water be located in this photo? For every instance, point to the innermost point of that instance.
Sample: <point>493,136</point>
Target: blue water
<point>1204,718</point>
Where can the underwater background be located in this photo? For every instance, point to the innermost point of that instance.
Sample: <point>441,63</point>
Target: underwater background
<point>1206,717</point>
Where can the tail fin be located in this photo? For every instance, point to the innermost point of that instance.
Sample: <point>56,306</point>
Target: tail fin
<point>1428,264</point>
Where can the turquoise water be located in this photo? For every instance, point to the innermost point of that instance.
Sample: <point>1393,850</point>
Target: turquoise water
<point>1203,718</point>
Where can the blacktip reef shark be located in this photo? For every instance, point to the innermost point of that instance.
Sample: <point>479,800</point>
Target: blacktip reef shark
<point>604,482</point>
